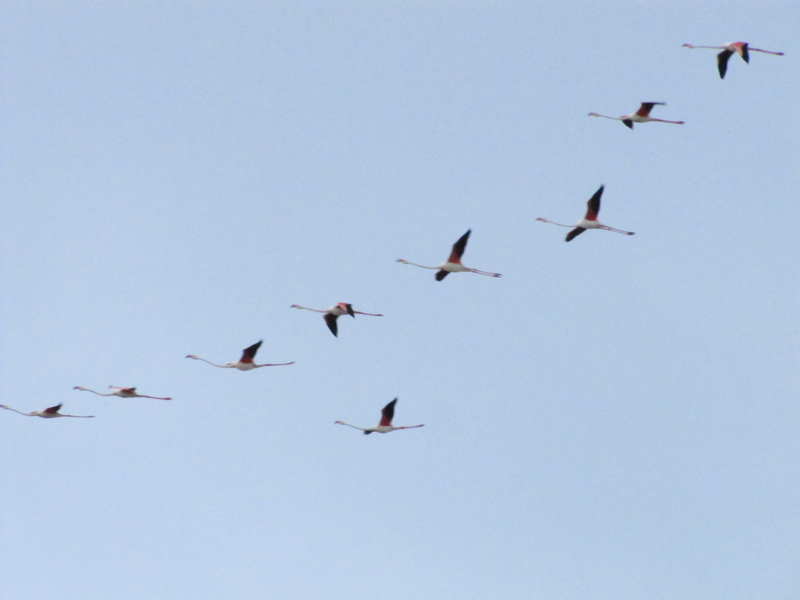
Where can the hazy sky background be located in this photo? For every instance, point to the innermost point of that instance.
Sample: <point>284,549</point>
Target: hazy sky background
<point>614,419</point>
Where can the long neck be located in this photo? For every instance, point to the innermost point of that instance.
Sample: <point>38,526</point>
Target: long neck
<point>17,411</point>
<point>605,117</point>
<point>348,424</point>
<point>711,47</point>
<point>311,309</point>
<point>98,393</point>
<point>405,262</point>
<point>212,364</point>
<point>553,222</point>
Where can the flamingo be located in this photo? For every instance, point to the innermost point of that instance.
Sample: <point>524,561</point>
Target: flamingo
<point>640,116</point>
<point>122,392</point>
<point>741,48</point>
<point>453,264</point>
<point>47,413</point>
<point>589,221</point>
<point>385,426</point>
<point>334,312</point>
<point>246,362</point>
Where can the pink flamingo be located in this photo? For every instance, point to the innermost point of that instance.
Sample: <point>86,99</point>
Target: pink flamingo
<point>640,116</point>
<point>122,392</point>
<point>453,264</point>
<point>589,221</point>
<point>334,312</point>
<point>246,363</point>
<point>385,426</point>
<point>741,48</point>
<point>47,413</point>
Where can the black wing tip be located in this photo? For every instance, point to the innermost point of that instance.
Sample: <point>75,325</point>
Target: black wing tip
<point>574,233</point>
<point>330,321</point>
<point>441,275</point>
<point>628,123</point>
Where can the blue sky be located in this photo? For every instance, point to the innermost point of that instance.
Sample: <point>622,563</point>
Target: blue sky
<point>615,418</point>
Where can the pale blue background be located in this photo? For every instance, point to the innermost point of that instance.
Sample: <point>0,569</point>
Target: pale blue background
<point>614,419</point>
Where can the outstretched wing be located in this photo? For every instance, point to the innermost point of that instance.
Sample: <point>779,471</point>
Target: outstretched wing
<point>458,248</point>
<point>349,309</point>
<point>593,206</point>
<point>387,414</point>
<point>575,233</point>
<point>745,53</point>
<point>722,62</point>
<point>249,353</point>
<point>441,275</point>
<point>628,123</point>
<point>646,107</point>
<point>53,410</point>
<point>331,321</point>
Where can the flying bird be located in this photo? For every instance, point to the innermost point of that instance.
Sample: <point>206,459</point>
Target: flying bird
<point>246,363</point>
<point>47,413</point>
<point>334,312</point>
<point>589,221</point>
<point>740,48</point>
<point>122,392</point>
<point>453,264</point>
<point>385,426</point>
<point>640,116</point>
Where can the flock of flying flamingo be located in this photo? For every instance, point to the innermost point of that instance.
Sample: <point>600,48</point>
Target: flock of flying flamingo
<point>452,265</point>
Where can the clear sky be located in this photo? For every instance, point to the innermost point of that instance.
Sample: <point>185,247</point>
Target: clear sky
<point>614,419</point>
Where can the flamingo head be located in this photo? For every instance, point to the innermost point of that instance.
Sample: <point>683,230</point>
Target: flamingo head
<point>402,260</point>
<point>77,387</point>
<point>191,356</point>
<point>295,306</point>
<point>540,219</point>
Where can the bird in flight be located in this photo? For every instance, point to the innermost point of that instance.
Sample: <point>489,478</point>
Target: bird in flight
<point>246,362</point>
<point>453,264</point>
<point>122,392</point>
<point>589,221</point>
<point>385,425</point>
<point>741,48</point>
<point>334,312</point>
<point>47,413</point>
<point>640,116</point>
